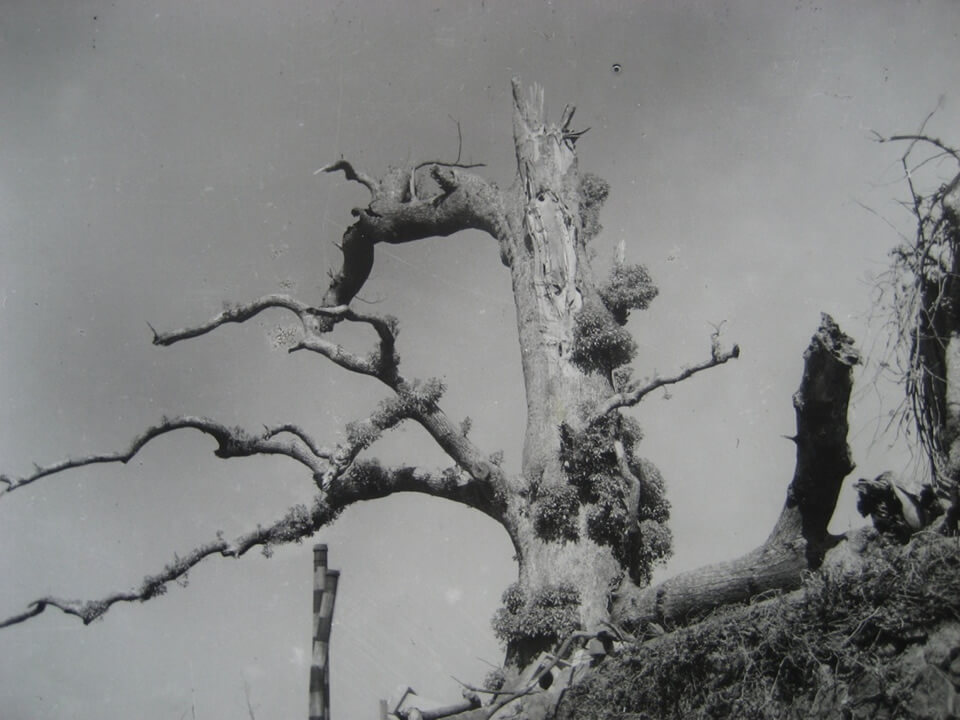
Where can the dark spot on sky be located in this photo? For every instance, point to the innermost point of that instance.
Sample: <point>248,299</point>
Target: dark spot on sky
<point>617,68</point>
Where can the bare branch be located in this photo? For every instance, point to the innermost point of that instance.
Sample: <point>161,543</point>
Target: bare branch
<point>922,285</point>
<point>635,395</point>
<point>441,163</point>
<point>386,329</point>
<point>418,402</point>
<point>343,479</point>
<point>459,448</point>
<point>312,320</point>
<point>473,688</point>
<point>236,314</point>
<point>297,524</point>
<point>456,163</point>
<point>300,433</point>
<point>883,219</point>
<point>412,401</point>
<point>382,365</point>
<point>350,174</point>
<point>936,142</point>
<point>339,355</point>
<point>232,442</point>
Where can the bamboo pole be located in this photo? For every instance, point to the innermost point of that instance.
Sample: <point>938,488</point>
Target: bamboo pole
<point>325,583</point>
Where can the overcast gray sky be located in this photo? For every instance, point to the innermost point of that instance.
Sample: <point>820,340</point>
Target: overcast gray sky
<point>157,157</point>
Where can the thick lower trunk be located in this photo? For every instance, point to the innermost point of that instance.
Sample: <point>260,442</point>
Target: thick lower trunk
<point>565,586</point>
<point>588,567</point>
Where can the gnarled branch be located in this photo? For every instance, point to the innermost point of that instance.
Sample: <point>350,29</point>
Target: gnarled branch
<point>368,480</point>
<point>297,524</point>
<point>325,465</point>
<point>231,442</point>
<point>396,214</point>
<point>420,402</point>
<point>235,314</point>
<point>314,322</point>
<point>360,481</point>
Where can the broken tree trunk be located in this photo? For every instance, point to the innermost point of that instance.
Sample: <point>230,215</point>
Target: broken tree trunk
<point>800,538</point>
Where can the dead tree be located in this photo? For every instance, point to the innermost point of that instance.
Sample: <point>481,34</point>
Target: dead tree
<point>586,513</point>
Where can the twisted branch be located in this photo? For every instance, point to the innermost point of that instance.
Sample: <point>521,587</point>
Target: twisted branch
<point>396,215</point>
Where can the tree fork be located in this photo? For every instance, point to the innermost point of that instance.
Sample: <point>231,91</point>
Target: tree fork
<point>799,538</point>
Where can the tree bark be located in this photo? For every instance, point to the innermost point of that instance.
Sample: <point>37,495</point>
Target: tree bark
<point>553,281</point>
<point>551,276</point>
<point>800,538</point>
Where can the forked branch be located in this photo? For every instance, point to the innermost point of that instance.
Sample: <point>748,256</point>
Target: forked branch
<point>362,481</point>
<point>920,138</point>
<point>634,395</point>
<point>314,321</point>
<point>420,402</point>
<point>232,442</point>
